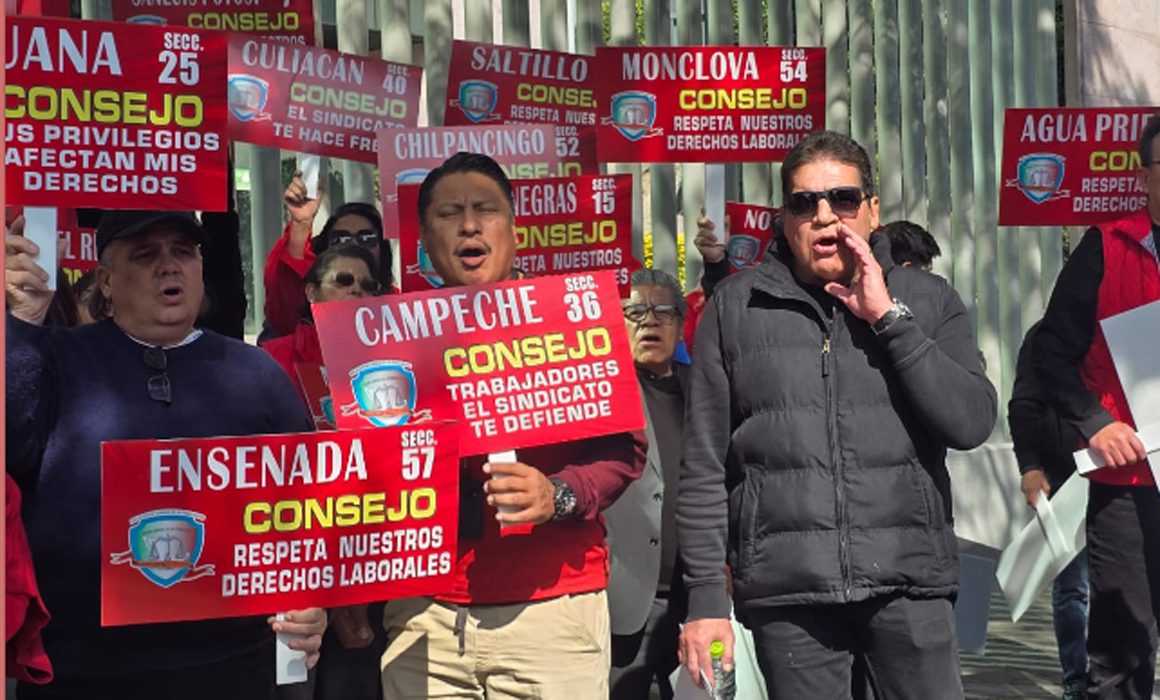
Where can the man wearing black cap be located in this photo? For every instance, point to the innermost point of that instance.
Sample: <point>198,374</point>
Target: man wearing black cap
<point>144,373</point>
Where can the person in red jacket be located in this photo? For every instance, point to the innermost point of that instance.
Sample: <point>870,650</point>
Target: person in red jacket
<point>294,253</point>
<point>1113,269</point>
<point>340,272</point>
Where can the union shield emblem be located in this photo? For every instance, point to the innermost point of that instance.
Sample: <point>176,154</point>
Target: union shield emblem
<point>384,392</point>
<point>742,251</point>
<point>633,113</point>
<point>477,99</point>
<point>164,545</point>
<point>147,19</point>
<point>425,268</point>
<point>1040,175</point>
<point>412,176</point>
<point>247,97</point>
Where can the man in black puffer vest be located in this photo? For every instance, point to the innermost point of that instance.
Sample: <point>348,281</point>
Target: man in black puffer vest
<point>827,385</point>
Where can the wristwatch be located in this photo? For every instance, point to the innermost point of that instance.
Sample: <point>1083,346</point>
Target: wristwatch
<point>563,498</point>
<point>899,310</point>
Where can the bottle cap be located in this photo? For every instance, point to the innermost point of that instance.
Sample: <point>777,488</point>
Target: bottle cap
<point>717,649</point>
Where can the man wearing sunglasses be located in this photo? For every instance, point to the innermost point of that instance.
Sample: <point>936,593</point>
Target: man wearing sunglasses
<point>146,372</point>
<point>827,385</point>
<point>1112,270</point>
<point>645,596</point>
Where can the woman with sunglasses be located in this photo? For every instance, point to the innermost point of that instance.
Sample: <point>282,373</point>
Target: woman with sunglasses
<point>339,272</point>
<point>294,253</point>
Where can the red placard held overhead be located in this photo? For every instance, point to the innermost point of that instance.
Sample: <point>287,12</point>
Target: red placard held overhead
<point>487,83</point>
<point>1071,167</point>
<point>285,20</point>
<point>226,527</point>
<point>750,233</point>
<point>520,364</point>
<point>105,115</point>
<point>407,155</point>
<point>563,224</point>
<point>711,104</point>
<point>315,100</point>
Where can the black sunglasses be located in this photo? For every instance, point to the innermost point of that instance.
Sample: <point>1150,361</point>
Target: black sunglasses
<point>367,238</point>
<point>663,313</point>
<point>844,201</point>
<point>159,387</point>
<point>346,279</point>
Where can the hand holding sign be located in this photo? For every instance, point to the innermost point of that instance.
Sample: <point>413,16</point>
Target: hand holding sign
<point>1117,445</point>
<point>521,490</point>
<point>26,292</point>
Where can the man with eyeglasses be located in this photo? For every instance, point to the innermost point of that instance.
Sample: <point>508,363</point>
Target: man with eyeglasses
<point>645,596</point>
<point>144,373</point>
<point>827,385</point>
<point>1112,270</point>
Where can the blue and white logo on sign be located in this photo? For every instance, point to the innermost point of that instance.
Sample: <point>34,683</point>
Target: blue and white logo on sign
<point>164,545</point>
<point>633,113</point>
<point>477,99</point>
<point>147,19</point>
<point>384,391</point>
<point>425,268</point>
<point>1040,175</point>
<point>247,97</point>
<point>742,251</point>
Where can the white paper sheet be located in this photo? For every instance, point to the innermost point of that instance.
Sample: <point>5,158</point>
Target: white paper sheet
<point>310,164</point>
<point>1045,546</point>
<point>40,228</point>
<point>1133,338</point>
<point>715,198</point>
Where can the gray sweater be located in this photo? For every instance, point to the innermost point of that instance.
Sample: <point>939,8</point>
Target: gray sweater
<point>814,456</point>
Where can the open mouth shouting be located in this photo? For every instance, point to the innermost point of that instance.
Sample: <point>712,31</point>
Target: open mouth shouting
<point>172,292</point>
<point>472,254</point>
<point>826,244</point>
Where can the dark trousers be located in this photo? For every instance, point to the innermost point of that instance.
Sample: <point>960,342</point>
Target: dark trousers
<point>651,654</point>
<point>352,674</point>
<point>1124,566</point>
<point>249,677</point>
<point>806,651</point>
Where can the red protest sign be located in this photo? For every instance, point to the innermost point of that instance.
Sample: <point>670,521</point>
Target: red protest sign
<point>313,383</point>
<point>106,115</point>
<point>80,244</point>
<point>522,363</point>
<point>285,20</point>
<point>712,103</point>
<point>488,83</point>
<point>407,155</point>
<point>233,526</point>
<point>563,225</point>
<point>1070,167</point>
<point>316,100</point>
<point>44,8</point>
<point>750,233</point>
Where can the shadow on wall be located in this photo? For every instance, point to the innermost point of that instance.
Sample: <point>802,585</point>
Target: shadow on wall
<point>988,505</point>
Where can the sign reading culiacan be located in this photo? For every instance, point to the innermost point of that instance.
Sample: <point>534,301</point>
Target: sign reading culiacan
<point>562,224</point>
<point>750,233</point>
<point>317,100</point>
<point>107,115</point>
<point>285,20</point>
<point>232,526</point>
<point>488,83</point>
<point>1071,166</point>
<point>520,364</point>
<point>407,155</point>
<point>711,104</point>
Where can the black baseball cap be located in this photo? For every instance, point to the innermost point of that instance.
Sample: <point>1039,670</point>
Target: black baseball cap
<point>118,224</point>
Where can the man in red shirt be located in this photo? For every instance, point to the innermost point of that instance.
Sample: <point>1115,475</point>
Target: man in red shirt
<point>527,616</point>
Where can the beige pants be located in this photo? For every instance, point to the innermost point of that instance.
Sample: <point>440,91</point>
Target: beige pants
<point>551,649</point>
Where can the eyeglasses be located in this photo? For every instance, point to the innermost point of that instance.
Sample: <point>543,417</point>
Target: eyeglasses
<point>367,238</point>
<point>345,280</point>
<point>663,313</point>
<point>159,387</point>
<point>844,201</point>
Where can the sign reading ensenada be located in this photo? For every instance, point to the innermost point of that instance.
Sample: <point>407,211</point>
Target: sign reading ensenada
<point>224,527</point>
<point>316,100</point>
<point>100,114</point>
<point>519,364</point>
<point>283,20</point>
<point>712,104</point>
<point>563,225</point>
<point>488,83</point>
<point>407,155</point>
<point>1071,166</point>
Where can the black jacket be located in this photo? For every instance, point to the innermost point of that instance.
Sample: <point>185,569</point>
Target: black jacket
<point>815,450</point>
<point>1041,438</point>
